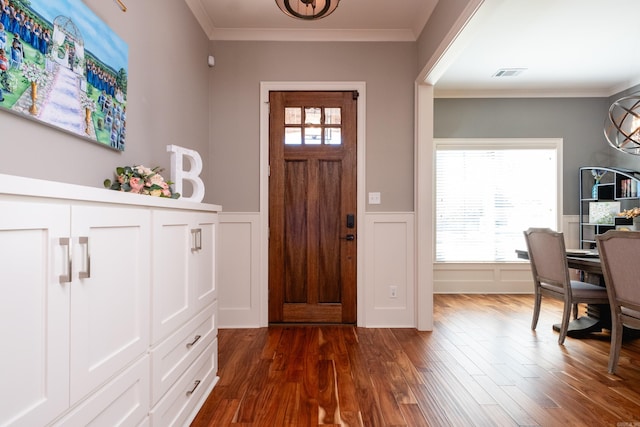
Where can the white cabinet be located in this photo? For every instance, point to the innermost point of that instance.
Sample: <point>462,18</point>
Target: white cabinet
<point>181,402</point>
<point>204,260</point>
<point>74,305</point>
<point>184,312</point>
<point>109,293</point>
<point>184,267</point>
<point>34,313</point>
<point>171,357</point>
<point>76,271</point>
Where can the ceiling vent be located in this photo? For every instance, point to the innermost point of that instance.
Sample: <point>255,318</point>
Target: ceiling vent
<point>508,72</point>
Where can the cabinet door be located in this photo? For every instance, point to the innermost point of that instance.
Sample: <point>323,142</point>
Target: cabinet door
<point>34,307</point>
<point>110,292</point>
<point>171,294</point>
<point>204,261</point>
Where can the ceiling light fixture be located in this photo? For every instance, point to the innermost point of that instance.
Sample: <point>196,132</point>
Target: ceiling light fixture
<point>308,9</point>
<point>622,126</point>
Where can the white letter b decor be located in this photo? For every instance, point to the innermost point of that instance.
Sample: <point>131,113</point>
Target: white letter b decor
<point>178,174</point>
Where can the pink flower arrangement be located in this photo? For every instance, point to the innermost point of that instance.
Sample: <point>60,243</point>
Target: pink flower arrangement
<point>141,180</point>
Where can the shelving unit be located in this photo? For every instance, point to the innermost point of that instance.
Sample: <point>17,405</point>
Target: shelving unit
<point>616,186</point>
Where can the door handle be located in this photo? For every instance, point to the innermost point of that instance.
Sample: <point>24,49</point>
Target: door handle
<point>87,257</point>
<point>196,239</point>
<point>66,278</point>
<point>349,237</point>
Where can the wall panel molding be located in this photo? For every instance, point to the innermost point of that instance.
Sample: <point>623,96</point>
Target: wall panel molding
<point>495,278</point>
<point>389,262</point>
<point>239,270</point>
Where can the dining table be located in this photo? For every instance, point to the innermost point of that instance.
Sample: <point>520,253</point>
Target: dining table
<point>598,316</point>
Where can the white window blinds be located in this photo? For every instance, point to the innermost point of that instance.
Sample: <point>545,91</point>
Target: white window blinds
<point>487,193</point>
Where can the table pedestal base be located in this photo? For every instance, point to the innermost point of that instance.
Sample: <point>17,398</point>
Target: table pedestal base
<point>581,325</point>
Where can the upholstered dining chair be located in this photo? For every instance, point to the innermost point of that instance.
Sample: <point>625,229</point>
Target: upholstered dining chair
<point>619,258</point>
<point>548,258</point>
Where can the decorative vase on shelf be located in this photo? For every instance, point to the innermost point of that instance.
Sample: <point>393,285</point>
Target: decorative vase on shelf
<point>597,176</point>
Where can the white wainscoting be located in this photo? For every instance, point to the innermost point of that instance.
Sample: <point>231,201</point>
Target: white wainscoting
<point>482,278</point>
<point>239,270</point>
<point>389,261</point>
<point>571,229</point>
<point>497,278</point>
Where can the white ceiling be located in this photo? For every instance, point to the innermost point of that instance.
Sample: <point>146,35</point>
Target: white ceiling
<point>567,47</point>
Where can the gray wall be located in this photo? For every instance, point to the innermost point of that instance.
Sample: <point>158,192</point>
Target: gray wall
<point>578,121</point>
<point>389,70</point>
<point>167,101</point>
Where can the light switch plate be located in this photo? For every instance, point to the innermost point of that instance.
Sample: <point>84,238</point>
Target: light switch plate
<point>374,198</point>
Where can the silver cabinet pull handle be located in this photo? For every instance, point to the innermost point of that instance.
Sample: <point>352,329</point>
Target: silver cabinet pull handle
<point>195,386</point>
<point>87,273</point>
<point>195,340</point>
<point>197,239</point>
<point>66,278</point>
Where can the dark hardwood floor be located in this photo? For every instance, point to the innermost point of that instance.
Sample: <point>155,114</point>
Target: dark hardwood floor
<point>480,366</point>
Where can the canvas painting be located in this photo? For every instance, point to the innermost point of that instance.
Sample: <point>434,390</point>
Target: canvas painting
<point>603,212</point>
<point>61,65</point>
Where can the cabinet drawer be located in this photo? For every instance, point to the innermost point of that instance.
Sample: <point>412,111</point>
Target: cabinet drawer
<point>173,356</point>
<point>124,401</point>
<point>182,401</point>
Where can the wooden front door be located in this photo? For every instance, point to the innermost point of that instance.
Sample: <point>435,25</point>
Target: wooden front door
<point>312,207</point>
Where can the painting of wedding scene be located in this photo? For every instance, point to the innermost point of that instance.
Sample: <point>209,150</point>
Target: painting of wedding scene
<point>61,65</point>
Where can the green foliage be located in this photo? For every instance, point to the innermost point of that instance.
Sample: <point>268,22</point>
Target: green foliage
<point>12,87</point>
<point>121,80</point>
<point>12,82</point>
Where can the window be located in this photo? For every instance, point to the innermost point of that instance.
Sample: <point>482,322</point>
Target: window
<point>321,125</point>
<point>489,191</point>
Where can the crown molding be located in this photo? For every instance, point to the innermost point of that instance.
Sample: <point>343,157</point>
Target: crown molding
<point>201,16</point>
<point>522,93</point>
<point>295,34</point>
<point>307,35</point>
